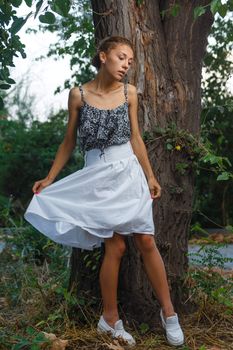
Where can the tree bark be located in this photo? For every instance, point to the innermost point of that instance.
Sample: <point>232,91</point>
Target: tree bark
<point>169,53</point>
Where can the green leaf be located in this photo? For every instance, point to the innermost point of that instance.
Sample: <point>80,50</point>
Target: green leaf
<point>198,11</point>
<point>10,81</point>
<point>227,161</point>
<point>31,330</point>
<point>41,338</point>
<point>17,25</point>
<point>61,7</point>
<point>202,347</point>
<point>16,3</point>
<point>40,323</point>
<point>144,327</point>
<point>38,6</point>
<point>21,345</point>
<point>4,86</point>
<point>214,159</point>
<point>48,18</point>
<point>35,347</point>
<point>28,2</point>
<point>169,146</point>
<point>214,6</point>
<point>223,177</point>
<point>230,5</point>
<point>222,10</point>
<point>175,10</point>
<point>4,73</point>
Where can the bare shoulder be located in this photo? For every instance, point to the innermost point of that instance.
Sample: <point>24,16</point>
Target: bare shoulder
<point>132,93</point>
<point>132,88</point>
<point>75,92</point>
<point>75,100</point>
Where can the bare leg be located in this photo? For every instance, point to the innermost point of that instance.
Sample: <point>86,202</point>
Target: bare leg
<point>114,250</point>
<point>155,269</point>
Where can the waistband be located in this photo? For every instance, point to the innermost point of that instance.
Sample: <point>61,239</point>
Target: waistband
<point>111,153</point>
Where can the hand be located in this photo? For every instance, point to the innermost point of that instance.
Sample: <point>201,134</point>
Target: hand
<point>40,185</point>
<point>154,187</point>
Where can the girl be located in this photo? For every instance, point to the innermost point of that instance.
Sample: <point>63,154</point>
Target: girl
<point>112,195</point>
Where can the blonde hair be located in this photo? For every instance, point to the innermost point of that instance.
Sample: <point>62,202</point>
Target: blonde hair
<point>107,44</point>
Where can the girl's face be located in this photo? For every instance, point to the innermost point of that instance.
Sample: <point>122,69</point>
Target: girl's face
<point>117,61</point>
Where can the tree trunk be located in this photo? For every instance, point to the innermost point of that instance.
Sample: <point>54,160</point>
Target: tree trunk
<point>168,52</point>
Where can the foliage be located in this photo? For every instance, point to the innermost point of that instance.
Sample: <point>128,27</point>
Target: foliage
<point>49,12</point>
<point>209,256</point>
<point>75,40</point>
<point>33,150</point>
<point>203,156</point>
<point>29,247</point>
<point>91,259</point>
<point>211,197</point>
<point>207,279</point>
<point>215,198</point>
<point>33,339</point>
<point>218,65</point>
<point>194,151</point>
<point>215,6</point>
<point>30,280</point>
<point>38,299</point>
<point>197,229</point>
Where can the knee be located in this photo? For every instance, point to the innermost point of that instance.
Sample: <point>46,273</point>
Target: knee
<point>121,248</point>
<point>145,243</point>
<point>115,247</point>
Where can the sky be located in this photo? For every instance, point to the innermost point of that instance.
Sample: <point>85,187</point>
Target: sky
<point>44,76</point>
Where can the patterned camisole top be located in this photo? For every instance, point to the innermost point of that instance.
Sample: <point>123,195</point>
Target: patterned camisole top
<point>100,128</point>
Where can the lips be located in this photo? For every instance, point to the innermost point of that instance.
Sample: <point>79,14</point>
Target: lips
<point>121,72</point>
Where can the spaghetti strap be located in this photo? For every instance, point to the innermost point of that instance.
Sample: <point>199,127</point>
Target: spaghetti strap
<point>126,91</point>
<point>81,91</point>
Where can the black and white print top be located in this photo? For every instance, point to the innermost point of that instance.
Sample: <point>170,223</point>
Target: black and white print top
<point>100,128</point>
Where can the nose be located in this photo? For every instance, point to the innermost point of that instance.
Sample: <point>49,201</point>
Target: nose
<point>125,65</point>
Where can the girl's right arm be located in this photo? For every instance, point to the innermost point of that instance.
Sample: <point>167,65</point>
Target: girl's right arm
<point>68,144</point>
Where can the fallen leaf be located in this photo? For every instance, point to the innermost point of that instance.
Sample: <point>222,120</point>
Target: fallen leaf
<point>114,345</point>
<point>50,336</point>
<point>57,344</point>
<point>3,302</point>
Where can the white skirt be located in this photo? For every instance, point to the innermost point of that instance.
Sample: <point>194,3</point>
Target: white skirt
<point>109,194</point>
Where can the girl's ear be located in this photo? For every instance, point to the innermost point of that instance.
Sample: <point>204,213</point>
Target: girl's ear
<point>102,57</point>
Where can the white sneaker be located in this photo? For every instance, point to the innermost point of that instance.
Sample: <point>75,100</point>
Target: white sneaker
<point>173,330</point>
<point>117,332</point>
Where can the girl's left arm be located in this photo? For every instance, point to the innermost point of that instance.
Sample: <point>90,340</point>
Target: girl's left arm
<point>138,145</point>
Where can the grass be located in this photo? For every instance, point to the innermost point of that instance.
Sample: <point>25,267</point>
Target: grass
<point>34,299</point>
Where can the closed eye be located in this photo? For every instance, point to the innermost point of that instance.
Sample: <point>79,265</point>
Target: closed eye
<point>122,58</point>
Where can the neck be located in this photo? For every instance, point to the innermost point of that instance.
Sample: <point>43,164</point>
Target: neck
<point>104,82</point>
